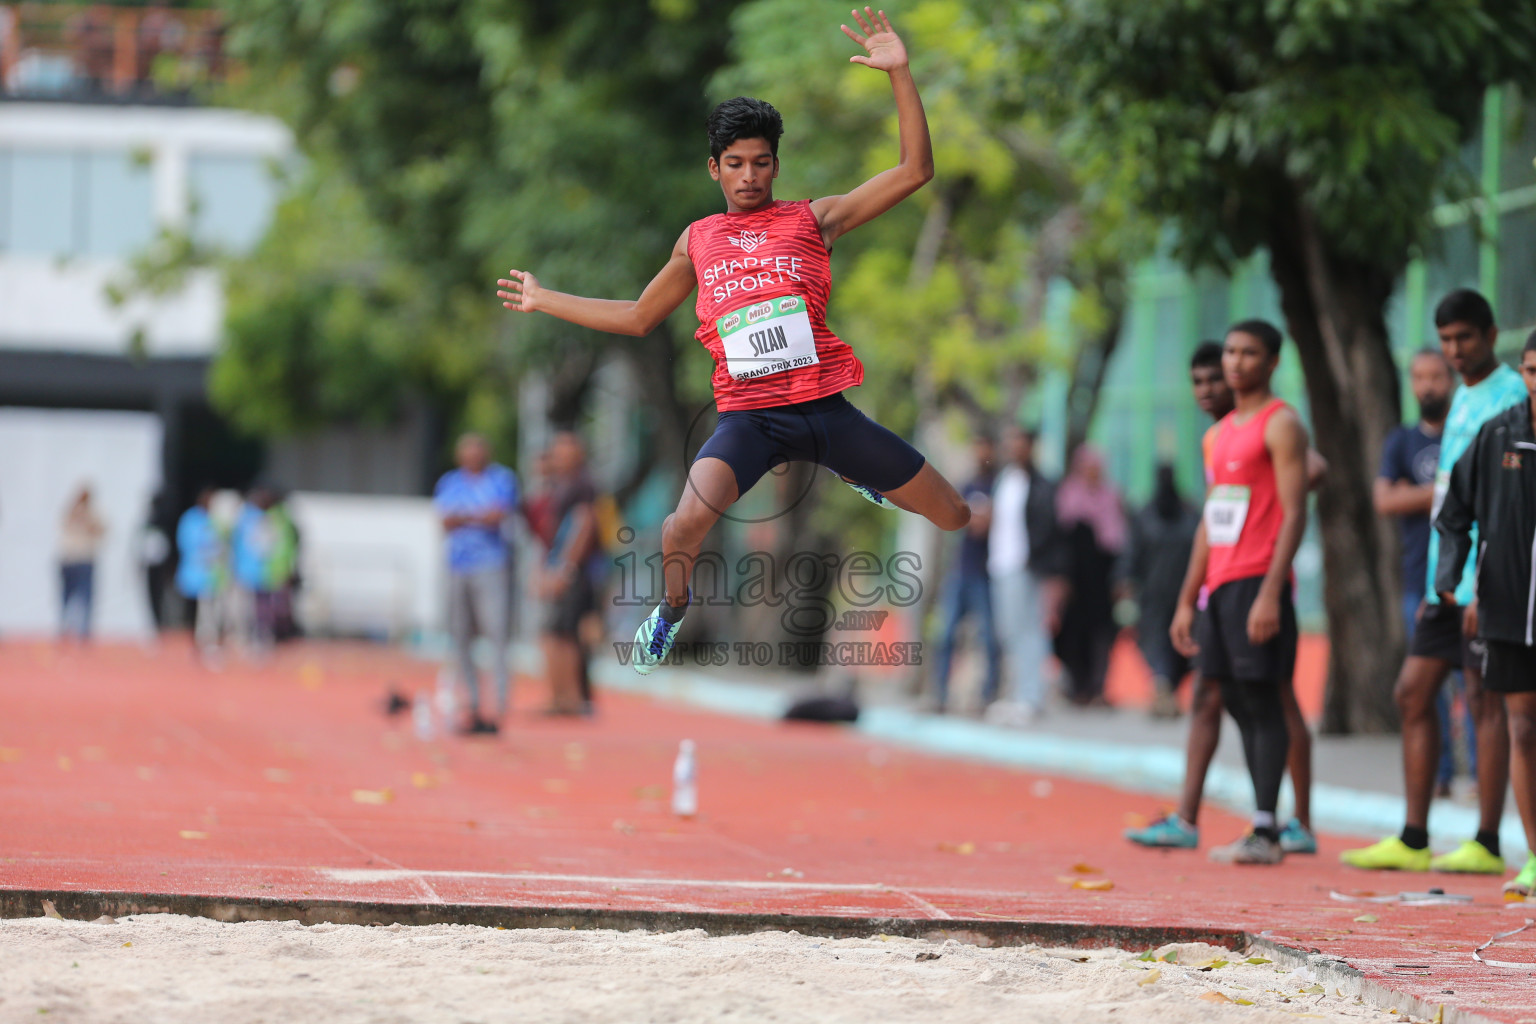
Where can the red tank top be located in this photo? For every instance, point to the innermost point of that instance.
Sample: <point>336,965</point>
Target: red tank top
<point>1242,512</point>
<point>764,279</point>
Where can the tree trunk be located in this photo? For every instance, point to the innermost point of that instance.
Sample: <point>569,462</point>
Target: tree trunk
<point>1335,310</point>
<point>1092,366</point>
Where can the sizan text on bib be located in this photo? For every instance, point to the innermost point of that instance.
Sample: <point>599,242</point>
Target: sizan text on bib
<point>767,337</point>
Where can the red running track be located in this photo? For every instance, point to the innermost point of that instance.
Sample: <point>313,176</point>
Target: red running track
<point>133,771</point>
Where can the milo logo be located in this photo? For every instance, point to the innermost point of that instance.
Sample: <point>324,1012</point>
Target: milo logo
<point>730,323</point>
<point>757,312</point>
<point>785,305</point>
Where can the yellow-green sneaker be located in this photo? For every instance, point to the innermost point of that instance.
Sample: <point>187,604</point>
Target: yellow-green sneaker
<point>1522,885</point>
<point>1391,854</point>
<point>1470,858</point>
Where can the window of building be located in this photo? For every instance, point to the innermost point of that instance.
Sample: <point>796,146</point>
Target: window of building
<point>119,215</point>
<point>60,203</point>
<point>232,198</point>
<point>41,202</point>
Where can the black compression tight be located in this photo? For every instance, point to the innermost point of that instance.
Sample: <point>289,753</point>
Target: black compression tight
<point>1255,706</point>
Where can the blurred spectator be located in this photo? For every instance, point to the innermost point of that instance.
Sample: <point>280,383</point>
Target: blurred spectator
<point>201,573</point>
<point>567,582</point>
<point>538,505</point>
<point>1093,520</point>
<point>282,569</point>
<point>473,501</point>
<point>968,592</point>
<point>1151,571</point>
<point>1405,490</point>
<point>263,550</point>
<point>154,557</point>
<point>1025,566</point>
<point>79,540</point>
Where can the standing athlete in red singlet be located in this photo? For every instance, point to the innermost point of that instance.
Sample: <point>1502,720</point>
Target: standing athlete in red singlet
<point>1255,514</point>
<point>763,273</point>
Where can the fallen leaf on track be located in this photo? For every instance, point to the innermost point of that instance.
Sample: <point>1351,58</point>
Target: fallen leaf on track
<point>1367,919</point>
<point>188,833</point>
<point>373,796</point>
<point>1095,884</point>
<point>49,910</point>
<point>1151,977</point>
<point>1212,996</point>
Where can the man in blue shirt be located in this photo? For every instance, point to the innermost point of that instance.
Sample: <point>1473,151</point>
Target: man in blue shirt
<point>1405,490</point>
<point>1445,635</point>
<point>474,501</point>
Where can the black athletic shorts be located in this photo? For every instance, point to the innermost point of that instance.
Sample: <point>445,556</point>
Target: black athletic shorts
<point>1509,668</point>
<point>828,431</point>
<point>1222,633</point>
<point>563,614</point>
<point>1438,635</point>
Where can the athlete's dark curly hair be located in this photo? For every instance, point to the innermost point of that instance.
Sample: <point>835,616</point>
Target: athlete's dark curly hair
<point>1266,332</point>
<point>743,118</point>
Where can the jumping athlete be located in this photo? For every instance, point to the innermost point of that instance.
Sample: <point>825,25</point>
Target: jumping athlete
<point>1446,635</point>
<point>1180,829</point>
<point>1255,514</point>
<point>763,273</point>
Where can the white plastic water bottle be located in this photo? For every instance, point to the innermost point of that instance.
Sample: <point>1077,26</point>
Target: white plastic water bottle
<point>421,715</point>
<point>447,694</point>
<point>685,782</point>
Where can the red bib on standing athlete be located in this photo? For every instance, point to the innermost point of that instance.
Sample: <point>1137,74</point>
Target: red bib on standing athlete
<point>764,279</point>
<point>1242,512</point>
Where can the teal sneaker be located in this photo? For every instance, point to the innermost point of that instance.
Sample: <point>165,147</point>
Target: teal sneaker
<point>1171,831</point>
<point>654,640</point>
<point>1296,838</point>
<point>869,494</point>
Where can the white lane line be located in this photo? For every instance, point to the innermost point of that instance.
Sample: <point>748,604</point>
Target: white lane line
<point>935,911</point>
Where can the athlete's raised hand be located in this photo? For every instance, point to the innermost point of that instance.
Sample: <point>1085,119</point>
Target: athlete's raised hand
<point>883,46</point>
<point>519,291</point>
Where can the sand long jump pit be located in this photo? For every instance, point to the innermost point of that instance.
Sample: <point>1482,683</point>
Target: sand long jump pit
<point>169,967</point>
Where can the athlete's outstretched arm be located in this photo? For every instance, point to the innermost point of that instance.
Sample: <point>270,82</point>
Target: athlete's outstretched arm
<point>839,215</point>
<point>1286,440</point>
<point>521,291</point>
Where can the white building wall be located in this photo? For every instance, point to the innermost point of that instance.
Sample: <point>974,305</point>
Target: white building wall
<point>45,455</point>
<point>57,301</point>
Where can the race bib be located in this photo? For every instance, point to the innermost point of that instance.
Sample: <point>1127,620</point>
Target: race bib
<point>768,337</point>
<point>1442,487</point>
<point>1225,512</point>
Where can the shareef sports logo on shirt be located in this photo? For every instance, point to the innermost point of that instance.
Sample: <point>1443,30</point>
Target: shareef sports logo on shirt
<point>749,240</point>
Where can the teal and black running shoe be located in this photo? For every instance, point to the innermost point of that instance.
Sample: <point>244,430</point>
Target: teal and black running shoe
<point>1295,838</point>
<point>654,640</point>
<point>1167,832</point>
<point>869,494</point>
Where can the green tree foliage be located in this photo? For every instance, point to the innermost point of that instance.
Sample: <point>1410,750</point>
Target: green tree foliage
<point>1322,132</point>
<point>448,140</point>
